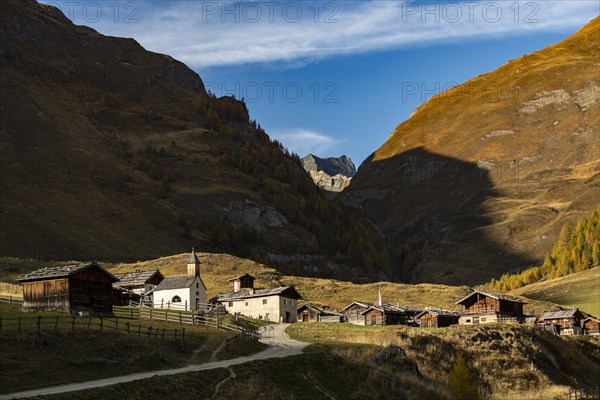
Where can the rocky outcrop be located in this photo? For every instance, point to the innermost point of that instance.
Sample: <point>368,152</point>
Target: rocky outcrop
<point>332,174</point>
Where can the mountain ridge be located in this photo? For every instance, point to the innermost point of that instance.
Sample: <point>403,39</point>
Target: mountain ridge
<point>481,177</point>
<point>332,174</point>
<point>111,152</point>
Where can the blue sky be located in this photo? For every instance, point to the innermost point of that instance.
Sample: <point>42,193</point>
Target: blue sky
<point>335,77</point>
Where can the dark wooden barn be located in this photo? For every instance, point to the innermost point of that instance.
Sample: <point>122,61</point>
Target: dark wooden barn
<point>591,325</point>
<point>85,287</point>
<point>481,308</point>
<point>566,322</point>
<point>436,318</point>
<point>312,313</point>
<point>388,314</point>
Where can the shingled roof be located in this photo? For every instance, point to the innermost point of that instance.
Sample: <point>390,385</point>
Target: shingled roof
<point>175,282</point>
<point>285,291</point>
<point>136,278</point>
<point>394,309</point>
<point>493,296</point>
<point>561,314</point>
<point>63,271</point>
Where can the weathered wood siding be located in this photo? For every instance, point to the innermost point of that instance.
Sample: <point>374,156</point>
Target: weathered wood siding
<point>488,305</point>
<point>592,327</point>
<point>353,315</point>
<point>374,317</point>
<point>429,321</point>
<point>308,315</point>
<point>46,295</point>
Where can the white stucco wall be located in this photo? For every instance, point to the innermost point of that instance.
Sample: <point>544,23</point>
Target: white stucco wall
<point>164,298</point>
<point>273,310</point>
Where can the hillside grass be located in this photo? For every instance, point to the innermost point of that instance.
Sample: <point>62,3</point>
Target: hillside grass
<point>581,290</point>
<point>59,357</point>
<point>505,361</point>
<point>323,372</point>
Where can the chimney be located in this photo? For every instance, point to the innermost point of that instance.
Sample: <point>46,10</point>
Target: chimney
<point>193,265</point>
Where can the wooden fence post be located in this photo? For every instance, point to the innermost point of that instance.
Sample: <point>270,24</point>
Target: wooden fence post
<point>139,329</point>
<point>56,323</point>
<point>182,339</point>
<point>0,324</point>
<point>131,312</point>
<point>39,323</point>
<point>101,323</point>
<point>151,311</point>
<point>163,334</point>
<point>9,299</point>
<point>162,301</point>
<point>73,324</point>
<point>117,324</point>
<point>128,327</point>
<point>89,323</point>
<point>180,317</point>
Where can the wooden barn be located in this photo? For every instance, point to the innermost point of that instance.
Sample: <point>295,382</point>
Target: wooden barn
<point>140,282</point>
<point>436,318</point>
<point>122,296</point>
<point>354,312</point>
<point>388,314</point>
<point>565,322</point>
<point>483,308</point>
<point>591,325</point>
<point>85,287</point>
<point>312,313</point>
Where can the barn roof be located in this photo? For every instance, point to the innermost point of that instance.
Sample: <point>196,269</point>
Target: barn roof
<point>560,314</point>
<point>321,311</point>
<point>175,282</point>
<point>493,296</point>
<point>392,309</point>
<point>63,271</point>
<point>286,291</point>
<point>136,278</point>
<point>439,312</point>
<point>358,303</point>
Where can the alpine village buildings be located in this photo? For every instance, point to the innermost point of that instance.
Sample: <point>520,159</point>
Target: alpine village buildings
<point>87,288</point>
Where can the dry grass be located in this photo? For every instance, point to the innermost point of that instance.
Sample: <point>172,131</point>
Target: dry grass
<point>506,361</point>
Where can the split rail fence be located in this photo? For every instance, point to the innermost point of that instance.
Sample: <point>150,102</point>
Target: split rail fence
<point>183,317</point>
<point>56,323</point>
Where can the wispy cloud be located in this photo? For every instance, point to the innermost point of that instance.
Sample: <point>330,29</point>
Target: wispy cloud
<point>303,141</point>
<point>208,34</point>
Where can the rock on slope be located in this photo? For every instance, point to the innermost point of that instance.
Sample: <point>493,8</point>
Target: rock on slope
<point>332,174</point>
<point>113,152</point>
<point>489,171</point>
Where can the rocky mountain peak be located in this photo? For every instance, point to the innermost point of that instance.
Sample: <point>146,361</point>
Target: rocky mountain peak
<point>332,173</point>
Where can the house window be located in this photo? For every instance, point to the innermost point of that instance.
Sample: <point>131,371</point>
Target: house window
<point>197,285</point>
<point>176,299</point>
<point>231,304</point>
<point>482,319</point>
<point>264,301</point>
<point>468,321</point>
<point>246,304</point>
<point>197,293</point>
<point>284,301</point>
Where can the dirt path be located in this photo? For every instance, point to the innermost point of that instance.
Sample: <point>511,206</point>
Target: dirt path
<point>280,345</point>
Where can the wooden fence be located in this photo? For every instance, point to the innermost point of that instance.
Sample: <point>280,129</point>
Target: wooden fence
<point>55,323</point>
<point>181,317</point>
<point>384,354</point>
<point>589,393</point>
<point>11,300</point>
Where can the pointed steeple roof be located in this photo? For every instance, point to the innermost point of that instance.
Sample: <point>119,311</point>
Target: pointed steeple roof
<point>193,258</point>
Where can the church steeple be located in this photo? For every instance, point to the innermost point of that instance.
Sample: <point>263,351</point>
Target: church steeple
<point>193,265</point>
